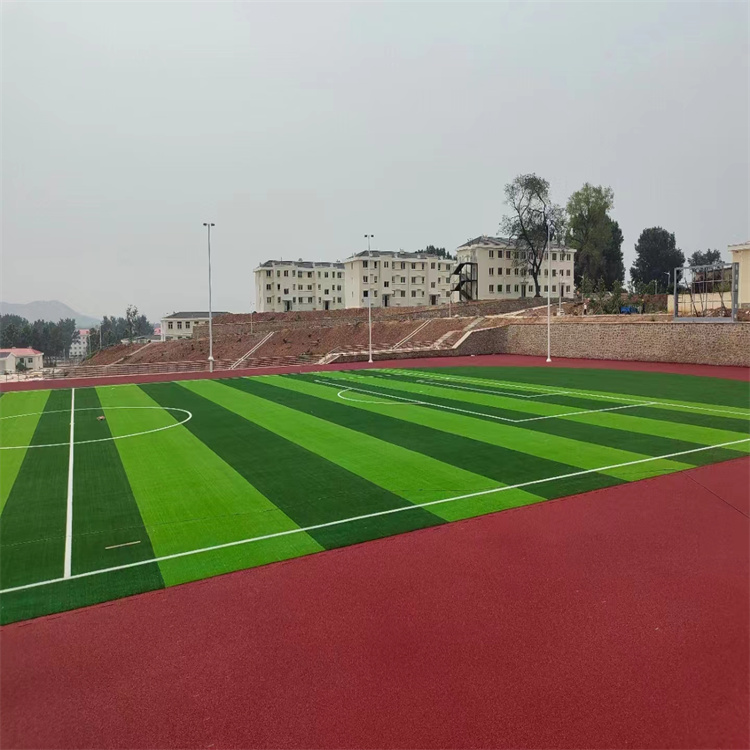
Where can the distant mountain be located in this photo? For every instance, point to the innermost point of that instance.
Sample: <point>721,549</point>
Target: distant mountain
<point>47,310</point>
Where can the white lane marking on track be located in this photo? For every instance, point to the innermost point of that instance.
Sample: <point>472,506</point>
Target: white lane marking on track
<point>390,511</point>
<point>416,402</point>
<point>98,440</point>
<point>124,544</point>
<point>494,392</point>
<point>67,560</point>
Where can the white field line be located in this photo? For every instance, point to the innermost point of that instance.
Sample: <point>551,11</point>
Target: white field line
<point>417,402</point>
<point>124,544</point>
<point>525,386</point>
<point>494,392</point>
<point>368,401</point>
<point>390,511</point>
<point>69,509</point>
<point>98,440</point>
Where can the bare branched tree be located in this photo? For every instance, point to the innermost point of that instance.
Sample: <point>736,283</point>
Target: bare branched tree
<point>532,214</point>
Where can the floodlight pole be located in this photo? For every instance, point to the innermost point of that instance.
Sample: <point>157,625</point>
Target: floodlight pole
<point>368,237</point>
<point>208,226</point>
<point>549,292</point>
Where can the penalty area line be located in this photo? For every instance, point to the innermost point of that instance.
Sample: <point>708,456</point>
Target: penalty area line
<point>401,509</point>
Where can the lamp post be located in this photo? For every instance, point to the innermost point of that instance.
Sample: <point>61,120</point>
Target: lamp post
<point>549,288</point>
<point>208,226</point>
<point>368,237</point>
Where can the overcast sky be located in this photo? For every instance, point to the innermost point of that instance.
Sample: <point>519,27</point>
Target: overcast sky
<point>298,128</point>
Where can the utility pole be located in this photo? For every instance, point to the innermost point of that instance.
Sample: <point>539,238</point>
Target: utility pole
<point>208,226</point>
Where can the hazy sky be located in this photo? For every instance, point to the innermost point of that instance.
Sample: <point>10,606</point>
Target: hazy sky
<point>299,127</point>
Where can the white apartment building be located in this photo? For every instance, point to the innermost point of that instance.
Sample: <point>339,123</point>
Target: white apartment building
<point>501,273</point>
<point>80,348</point>
<point>397,279</point>
<point>180,325</point>
<point>285,285</point>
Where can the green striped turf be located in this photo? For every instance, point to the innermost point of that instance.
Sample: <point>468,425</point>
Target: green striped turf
<point>17,430</point>
<point>105,513</point>
<point>650,385</point>
<point>190,498</point>
<point>504,465</point>
<point>308,488</point>
<point>32,525</point>
<point>613,430</point>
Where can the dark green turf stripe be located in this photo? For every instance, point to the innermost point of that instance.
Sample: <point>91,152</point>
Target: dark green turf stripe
<point>647,445</point>
<point>647,384</point>
<point>693,418</point>
<point>75,592</point>
<point>308,488</point>
<point>501,464</point>
<point>32,526</point>
<point>105,512</point>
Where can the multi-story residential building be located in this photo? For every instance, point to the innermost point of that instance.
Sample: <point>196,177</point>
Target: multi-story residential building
<point>397,279</point>
<point>80,348</point>
<point>180,325</point>
<point>492,268</point>
<point>285,285</point>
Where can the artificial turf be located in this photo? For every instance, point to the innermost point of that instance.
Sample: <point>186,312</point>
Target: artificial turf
<point>177,477</point>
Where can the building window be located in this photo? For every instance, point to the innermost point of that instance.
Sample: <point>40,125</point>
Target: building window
<point>545,287</point>
<point>365,293</point>
<point>268,287</point>
<point>294,299</point>
<point>386,284</point>
<point>187,324</point>
<point>413,265</point>
<point>515,287</point>
<point>286,273</point>
<point>554,287</point>
<point>567,272</point>
<point>278,287</point>
<point>269,273</point>
<point>432,284</point>
<point>568,289</point>
<point>492,253</point>
<point>179,325</point>
<point>554,256</point>
<point>375,293</point>
<point>278,273</point>
<point>413,279</point>
<point>364,264</point>
<point>432,265</point>
<point>339,300</point>
<point>278,300</point>
<point>309,274</point>
<point>326,292</point>
<point>554,272</point>
<point>515,271</point>
<point>545,272</point>
<point>385,264</point>
<point>413,292</point>
<point>507,288</point>
<point>492,288</point>
<point>169,325</point>
<point>507,254</point>
<point>492,271</point>
<point>403,293</point>
<point>326,274</point>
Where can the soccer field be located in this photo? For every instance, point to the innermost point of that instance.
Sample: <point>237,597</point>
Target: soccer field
<point>117,490</point>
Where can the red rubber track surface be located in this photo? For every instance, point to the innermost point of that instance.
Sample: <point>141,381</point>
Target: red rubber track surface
<point>488,360</point>
<point>616,618</point>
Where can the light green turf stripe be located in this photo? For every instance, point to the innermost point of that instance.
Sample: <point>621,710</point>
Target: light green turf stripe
<point>572,452</point>
<point>17,431</point>
<point>190,498</point>
<point>530,407</point>
<point>414,476</point>
<point>489,383</point>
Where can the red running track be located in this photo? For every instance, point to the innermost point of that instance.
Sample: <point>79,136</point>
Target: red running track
<point>485,360</point>
<point>616,618</point>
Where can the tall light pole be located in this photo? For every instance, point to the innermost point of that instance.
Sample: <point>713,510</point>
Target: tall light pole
<point>208,226</point>
<point>368,237</point>
<point>549,288</point>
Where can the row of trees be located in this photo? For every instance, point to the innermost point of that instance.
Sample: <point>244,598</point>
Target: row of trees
<point>54,339</point>
<point>113,330</point>
<point>585,225</point>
